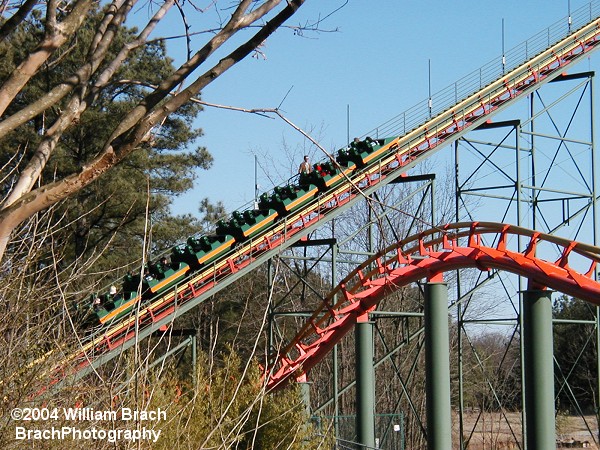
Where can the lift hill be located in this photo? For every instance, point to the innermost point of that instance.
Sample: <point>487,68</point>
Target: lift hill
<point>416,134</point>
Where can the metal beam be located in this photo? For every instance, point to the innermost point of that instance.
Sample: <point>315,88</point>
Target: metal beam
<point>539,370</point>
<point>437,367</point>
<point>365,383</point>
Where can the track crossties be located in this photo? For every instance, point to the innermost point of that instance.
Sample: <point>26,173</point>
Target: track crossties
<point>547,261</point>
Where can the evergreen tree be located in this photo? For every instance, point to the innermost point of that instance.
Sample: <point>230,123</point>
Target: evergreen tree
<point>141,105</point>
<point>113,211</point>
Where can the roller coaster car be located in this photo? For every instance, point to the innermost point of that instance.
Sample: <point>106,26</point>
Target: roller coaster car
<point>131,283</point>
<point>343,157</point>
<point>326,175</point>
<point>289,198</point>
<point>202,250</point>
<point>377,147</point>
<point>361,153</point>
<point>166,275</point>
<point>116,305</point>
<point>184,254</point>
<point>157,276</point>
<point>246,224</point>
<point>257,220</point>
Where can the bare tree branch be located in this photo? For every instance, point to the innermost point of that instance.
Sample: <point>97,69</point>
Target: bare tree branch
<point>12,23</point>
<point>56,36</point>
<point>136,126</point>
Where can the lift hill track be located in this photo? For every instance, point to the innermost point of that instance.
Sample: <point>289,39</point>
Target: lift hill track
<point>420,132</point>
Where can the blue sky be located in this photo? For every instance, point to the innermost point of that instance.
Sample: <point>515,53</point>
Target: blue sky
<point>375,65</point>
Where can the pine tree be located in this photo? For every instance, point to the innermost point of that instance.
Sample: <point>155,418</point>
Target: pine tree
<point>113,211</point>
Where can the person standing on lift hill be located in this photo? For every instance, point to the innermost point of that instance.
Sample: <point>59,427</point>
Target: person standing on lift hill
<point>305,167</point>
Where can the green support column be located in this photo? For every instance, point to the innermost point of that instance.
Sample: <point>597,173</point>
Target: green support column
<point>194,362</point>
<point>336,381</point>
<point>437,367</point>
<point>365,383</point>
<point>540,425</point>
<point>305,392</point>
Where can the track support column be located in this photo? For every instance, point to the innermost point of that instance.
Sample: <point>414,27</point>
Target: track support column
<point>305,392</point>
<point>540,426</point>
<point>365,383</point>
<point>195,361</point>
<point>437,367</point>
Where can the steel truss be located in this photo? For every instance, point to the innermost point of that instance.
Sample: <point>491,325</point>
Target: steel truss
<point>329,256</point>
<point>530,196</point>
<point>537,171</point>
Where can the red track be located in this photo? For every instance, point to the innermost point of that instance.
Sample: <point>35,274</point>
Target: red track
<point>400,154</point>
<point>425,256</point>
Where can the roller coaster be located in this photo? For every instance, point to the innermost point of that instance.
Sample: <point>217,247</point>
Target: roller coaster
<point>424,256</point>
<point>207,264</point>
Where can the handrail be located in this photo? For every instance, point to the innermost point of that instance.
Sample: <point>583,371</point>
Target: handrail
<point>493,70</point>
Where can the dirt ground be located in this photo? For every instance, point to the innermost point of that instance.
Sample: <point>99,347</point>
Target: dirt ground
<point>498,432</point>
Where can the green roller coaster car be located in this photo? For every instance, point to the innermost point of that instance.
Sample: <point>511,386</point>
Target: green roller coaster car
<point>246,224</point>
<point>286,199</point>
<point>198,252</point>
<point>112,306</point>
<point>202,250</point>
<point>326,175</point>
<point>364,152</point>
<point>157,278</point>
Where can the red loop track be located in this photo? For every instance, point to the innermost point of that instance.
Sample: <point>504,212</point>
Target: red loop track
<point>426,255</point>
